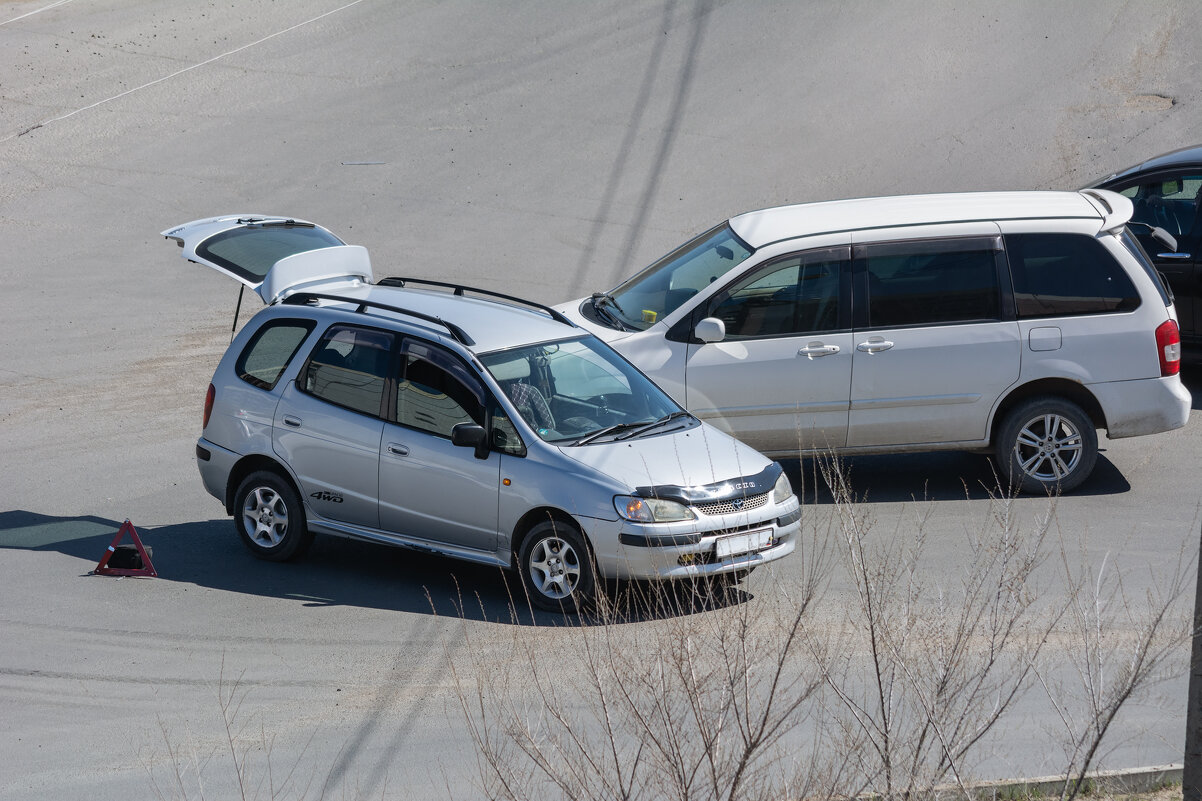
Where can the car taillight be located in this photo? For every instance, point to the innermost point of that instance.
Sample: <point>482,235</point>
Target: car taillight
<point>1168,347</point>
<point>211,395</point>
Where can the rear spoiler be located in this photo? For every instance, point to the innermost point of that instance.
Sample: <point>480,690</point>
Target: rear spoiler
<point>1115,209</point>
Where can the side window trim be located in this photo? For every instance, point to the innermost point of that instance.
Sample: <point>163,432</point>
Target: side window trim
<point>947,244</point>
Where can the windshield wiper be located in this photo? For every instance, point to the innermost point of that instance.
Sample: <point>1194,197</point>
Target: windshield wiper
<point>599,300</point>
<point>615,428</point>
<point>667,418</point>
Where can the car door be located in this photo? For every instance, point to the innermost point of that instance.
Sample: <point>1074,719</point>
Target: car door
<point>429,488</point>
<point>1171,201</point>
<point>328,424</point>
<point>934,344</point>
<point>272,255</point>
<point>779,376</point>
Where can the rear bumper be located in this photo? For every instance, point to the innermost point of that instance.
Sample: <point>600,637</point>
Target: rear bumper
<point>1146,406</point>
<point>215,464</point>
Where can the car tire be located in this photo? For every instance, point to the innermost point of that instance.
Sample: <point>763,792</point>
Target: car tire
<point>557,568</point>
<point>1047,445</point>
<point>270,517</point>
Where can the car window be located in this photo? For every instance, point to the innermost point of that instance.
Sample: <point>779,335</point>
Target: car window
<point>349,368</point>
<point>932,281</point>
<point>250,252</point>
<point>1066,274</point>
<point>435,391</point>
<point>660,289</point>
<point>1132,244</point>
<point>797,295</point>
<point>270,351</point>
<point>1168,203</point>
<point>570,389</point>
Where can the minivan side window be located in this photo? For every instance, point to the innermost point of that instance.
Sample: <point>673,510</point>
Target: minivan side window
<point>797,295</point>
<point>270,351</point>
<point>350,367</point>
<point>932,282</point>
<point>1066,274</point>
<point>435,391</point>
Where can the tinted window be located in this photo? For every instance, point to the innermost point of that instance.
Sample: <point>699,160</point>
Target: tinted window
<point>250,252</point>
<point>931,282</point>
<point>1066,274</point>
<point>1131,243</point>
<point>436,392</point>
<point>349,368</point>
<point>795,296</point>
<point>270,351</point>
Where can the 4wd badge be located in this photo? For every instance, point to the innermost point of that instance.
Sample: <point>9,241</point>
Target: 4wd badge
<point>322,495</point>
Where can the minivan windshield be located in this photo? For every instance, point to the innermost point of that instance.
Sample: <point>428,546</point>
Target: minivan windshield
<point>660,289</point>
<point>579,391</point>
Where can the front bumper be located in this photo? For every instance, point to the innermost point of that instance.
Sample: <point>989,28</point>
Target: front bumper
<point>691,549</point>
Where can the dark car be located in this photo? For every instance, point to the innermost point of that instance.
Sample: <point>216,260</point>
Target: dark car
<point>1167,193</point>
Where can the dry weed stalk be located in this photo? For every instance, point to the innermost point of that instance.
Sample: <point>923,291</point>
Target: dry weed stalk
<point>783,696</point>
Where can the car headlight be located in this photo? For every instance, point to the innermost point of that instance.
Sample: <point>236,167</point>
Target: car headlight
<point>783,489</point>
<point>651,510</point>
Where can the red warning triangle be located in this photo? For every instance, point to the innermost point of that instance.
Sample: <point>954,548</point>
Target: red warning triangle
<point>147,569</point>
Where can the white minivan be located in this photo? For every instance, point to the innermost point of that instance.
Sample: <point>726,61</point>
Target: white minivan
<point>1016,323</point>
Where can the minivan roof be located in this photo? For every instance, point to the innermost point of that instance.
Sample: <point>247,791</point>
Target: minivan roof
<point>759,228</point>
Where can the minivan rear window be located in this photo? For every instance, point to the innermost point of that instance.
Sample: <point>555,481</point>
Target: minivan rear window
<point>250,252</point>
<point>1059,275</point>
<point>1131,243</point>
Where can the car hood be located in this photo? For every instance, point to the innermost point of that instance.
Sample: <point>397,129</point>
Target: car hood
<point>696,464</point>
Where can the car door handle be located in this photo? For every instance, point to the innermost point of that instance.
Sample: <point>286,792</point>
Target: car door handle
<point>816,349</point>
<point>1174,256</point>
<point>294,422</point>
<point>874,345</point>
<point>399,450</point>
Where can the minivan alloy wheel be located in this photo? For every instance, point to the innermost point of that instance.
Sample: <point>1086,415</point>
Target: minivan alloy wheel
<point>265,517</point>
<point>1047,444</point>
<point>269,516</point>
<point>556,567</point>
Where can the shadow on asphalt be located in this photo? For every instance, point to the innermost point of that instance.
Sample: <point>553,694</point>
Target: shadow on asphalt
<point>938,476</point>
<point>340,572</point>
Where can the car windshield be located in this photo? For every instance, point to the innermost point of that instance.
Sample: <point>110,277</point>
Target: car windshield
<point>660,289</point>
<point>580,391</point>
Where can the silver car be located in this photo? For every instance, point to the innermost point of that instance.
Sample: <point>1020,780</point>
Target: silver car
<point>464,423</point>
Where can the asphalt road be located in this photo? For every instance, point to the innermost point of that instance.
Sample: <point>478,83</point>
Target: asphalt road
<point>538,148</point>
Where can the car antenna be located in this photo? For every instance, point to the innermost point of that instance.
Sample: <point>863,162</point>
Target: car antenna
<point>237,308</point>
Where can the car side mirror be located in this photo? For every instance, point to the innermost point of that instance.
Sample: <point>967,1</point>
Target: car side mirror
<point>711,329</point>
<point>470,435</point>
<point>1165,238</point>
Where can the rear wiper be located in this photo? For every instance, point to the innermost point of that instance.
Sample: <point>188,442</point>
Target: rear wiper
<point>265,223</point>
<point>599,299</point>
<point>615,428</point>
<point>667,418</point>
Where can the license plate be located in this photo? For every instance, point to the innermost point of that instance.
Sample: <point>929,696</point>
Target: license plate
<point>750,542</point>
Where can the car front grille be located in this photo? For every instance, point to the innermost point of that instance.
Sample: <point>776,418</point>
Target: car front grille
<point>734,505</point>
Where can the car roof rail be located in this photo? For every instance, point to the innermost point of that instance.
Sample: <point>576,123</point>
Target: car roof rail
<point>305,298</point>
<point>399,281</point>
